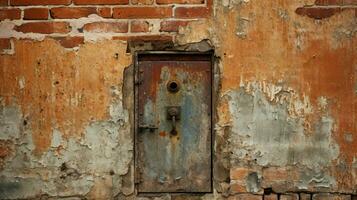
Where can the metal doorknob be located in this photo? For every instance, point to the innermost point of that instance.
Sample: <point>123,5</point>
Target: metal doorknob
<point>173,114</point>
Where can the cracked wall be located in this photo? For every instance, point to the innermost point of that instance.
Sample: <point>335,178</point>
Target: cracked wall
<point>285,102</point>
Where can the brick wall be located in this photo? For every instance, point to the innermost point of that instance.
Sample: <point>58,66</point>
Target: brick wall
<point>326,8</point>
<point>69,21</point>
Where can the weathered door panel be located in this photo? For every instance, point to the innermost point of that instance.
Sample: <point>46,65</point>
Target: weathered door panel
<point>173,159</point>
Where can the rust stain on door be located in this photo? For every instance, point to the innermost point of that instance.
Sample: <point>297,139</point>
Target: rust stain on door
<point>173,135</point>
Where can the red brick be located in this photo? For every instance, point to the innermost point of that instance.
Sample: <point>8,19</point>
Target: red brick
<point>305,196</point>
<point>142,12</point>
<point>317,13</point>
<point>328,2</point>
<point>236,188</point>
<point>326,196</point>
<point>44,27</point>
<point>139,26</point>
<point>172,26</point>
<point>36,13</point>
<point>245,197</point>
<point>39,2</point>
<point>335,2</point>
<point>105,12</point>
<point>289,197</point>
<point>192,12</point>
<point>142,2</point>
<point>70,42</point>
<point>101,2</point>
<point>349,2</point>
<point>180,1</point>
<point>72,13</point>
<point>145,38</point>
<point>5,43</point>
<point>3,2</point>
<point>103,27</point>
<point>239,173</point>
<point>10,14</point>
<point>271,197</point>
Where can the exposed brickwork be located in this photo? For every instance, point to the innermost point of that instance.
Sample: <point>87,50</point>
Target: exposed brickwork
<point>101,2</point>
<point>192,12</point>
<point>121,19</point>
<point>44,27</point>
<point>239,173</point>
<point>245,197</point>
<point>271,197</point>
<point>335,2</point>
<point>289,197</point>
<point>142,2</point>
<point>5,44</point>
<point>39,2</point>
<point>70,42</point>
<point>326,8</point>
<point>318,13</point>
<point>154,38</point>
<point>72,13</point>
<point>105,12</point>
<point>180,1</point>
<point>10,14</point>
<point>304,196</point>
<point>142,12</point>
<point>115,27</point>
<point>172,25</point>
<point>3,2</point>
<point>326,196</point>
<point>237,187</point>
<point>140,26</point>
<point>35,13</point>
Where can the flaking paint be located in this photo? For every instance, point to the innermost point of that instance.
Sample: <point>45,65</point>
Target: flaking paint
<point>308,68</point>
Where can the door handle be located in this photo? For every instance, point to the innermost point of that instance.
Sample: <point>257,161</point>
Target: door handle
<point>173,114</point>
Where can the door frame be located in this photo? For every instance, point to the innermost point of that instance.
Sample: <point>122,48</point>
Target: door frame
<point>214,88</point>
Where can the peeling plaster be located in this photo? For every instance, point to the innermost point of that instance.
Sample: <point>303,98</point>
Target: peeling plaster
<point>266,129</point>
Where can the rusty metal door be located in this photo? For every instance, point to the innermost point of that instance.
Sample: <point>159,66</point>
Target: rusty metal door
<point>173,123</point>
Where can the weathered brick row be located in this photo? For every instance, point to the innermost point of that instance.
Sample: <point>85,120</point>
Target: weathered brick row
<point>192,12</point>
<point>36,13</point>
<point>3,2</point>
<point>10,14</point>
<point>327,196</point>
<point>44,27</point>
<point>172,25</point>
<point>103,27</point>
<point>335,2</point>
<point>72,13</point>
<point>39,2</point>
<point>317,12</point>
<point>180,1</point>
<point>142,12</point>
<point>161,38</point>
<point>5,43</point>
<point>105,12</point>
<point>139,26</point>
<point>142,2</point>
<point>70,42</point>
<point>101,2</point>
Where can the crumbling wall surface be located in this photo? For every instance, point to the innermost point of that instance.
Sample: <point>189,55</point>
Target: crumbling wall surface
<point>285,125</point>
